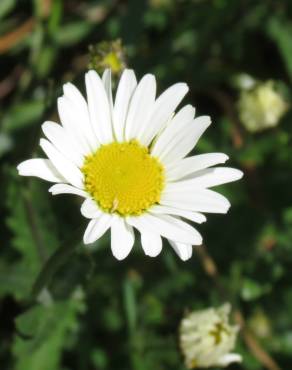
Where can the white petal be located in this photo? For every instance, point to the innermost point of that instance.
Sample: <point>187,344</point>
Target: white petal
<point>190,165</point>
<point>81,113</point>
<point>96,228</point>
<point>167,226</point>
<point>69,116</point>
<point>66,168</point>
<point>193,216</point>
<point>184,141</point>
<point>199,206</point>
<point>124,94</point>
<point>141,106</point>
<point>215,176</point>
<point>122,238</point>
<point>163,109</point>
<point>181,195</point>
<point>39,167</point>
<point>107,82</point>
<point>67,189</point>
<point>60,139</point>
<point>229,358</point>
<point>89,209</point>
<point>183,117</point>
<point>99,108</point>
<point>188,189</point>
<point>184,251</point>
<point>151,243</point>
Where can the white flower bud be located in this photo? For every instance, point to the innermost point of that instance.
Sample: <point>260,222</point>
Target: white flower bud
<point>206,338</point>
<point>261,107</point>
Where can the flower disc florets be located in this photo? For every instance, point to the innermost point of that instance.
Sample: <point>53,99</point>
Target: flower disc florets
<point>123,178</point>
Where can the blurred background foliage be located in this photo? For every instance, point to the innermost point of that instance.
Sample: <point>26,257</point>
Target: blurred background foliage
<point>87,310</point>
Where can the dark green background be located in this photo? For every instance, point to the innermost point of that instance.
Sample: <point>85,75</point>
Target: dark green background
<point>98,313</point>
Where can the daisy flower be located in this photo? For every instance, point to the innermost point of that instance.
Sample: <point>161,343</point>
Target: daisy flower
<point>127,158</point>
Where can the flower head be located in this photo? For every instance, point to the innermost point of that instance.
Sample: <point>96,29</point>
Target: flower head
<point>127,158</point>
<point>206,338</point>
<point>107,54</point>
<point>261,107</point>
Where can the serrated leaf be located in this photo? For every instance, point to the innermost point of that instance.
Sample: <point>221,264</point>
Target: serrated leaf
<point>33,235</point>
<point>44,331</point>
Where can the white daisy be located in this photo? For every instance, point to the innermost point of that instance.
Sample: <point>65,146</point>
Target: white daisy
<point>127,158</point>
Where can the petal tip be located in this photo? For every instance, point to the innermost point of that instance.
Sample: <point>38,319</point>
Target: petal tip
<point>152,255</point>
<point>225,157</point>
<point>240,174</point>
<point>19,166</point>
<point>185,85</point>
<point>199,241</point>
<point>92,74</point>
<point>52,190</point>
<point>121,254</point>
<point>86,241</point>
<point>119,257</point>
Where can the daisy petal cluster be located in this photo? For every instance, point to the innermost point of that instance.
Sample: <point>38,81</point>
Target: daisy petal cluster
<point>206,338</point>
<point>127,157</point>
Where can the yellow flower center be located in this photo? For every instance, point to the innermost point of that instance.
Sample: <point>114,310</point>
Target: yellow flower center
<point>123,178</point>
<point>113,61</point>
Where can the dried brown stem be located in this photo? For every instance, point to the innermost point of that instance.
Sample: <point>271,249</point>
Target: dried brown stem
<point>14,37</point>
<point>8,84</point>
<point>46,6</point>
<point>227,106</point>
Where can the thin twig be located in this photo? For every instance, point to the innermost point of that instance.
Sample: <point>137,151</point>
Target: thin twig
<point>46,6</point>
<point>227,106</point>
<point>14,37</point>
<point>10,82</point>
<point>256,349</point>
<point>254,345</point>
<point>237,136</point>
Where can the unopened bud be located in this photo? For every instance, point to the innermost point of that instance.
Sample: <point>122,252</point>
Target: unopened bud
<point>107,54</point>
<point>261,107</point>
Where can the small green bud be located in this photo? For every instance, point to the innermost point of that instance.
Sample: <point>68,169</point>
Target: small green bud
<point>107,54</point>
<point>260,324</point>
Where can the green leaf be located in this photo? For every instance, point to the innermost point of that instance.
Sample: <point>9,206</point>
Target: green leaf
<point>251,290</point>
<point>6,143</point>
<point>44,333</point>
<point>32,225</point>
<point>6,6</point>
<point>23,114</point>
<point>130,304</point>
<point>61,255</point>
<point>72,33</point>
<point>280,31</point>
<point>46,59</point>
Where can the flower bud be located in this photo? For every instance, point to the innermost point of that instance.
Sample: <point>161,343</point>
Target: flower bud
<point>261,107</point>
<point>107,54</point>
<point>206,338</point>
